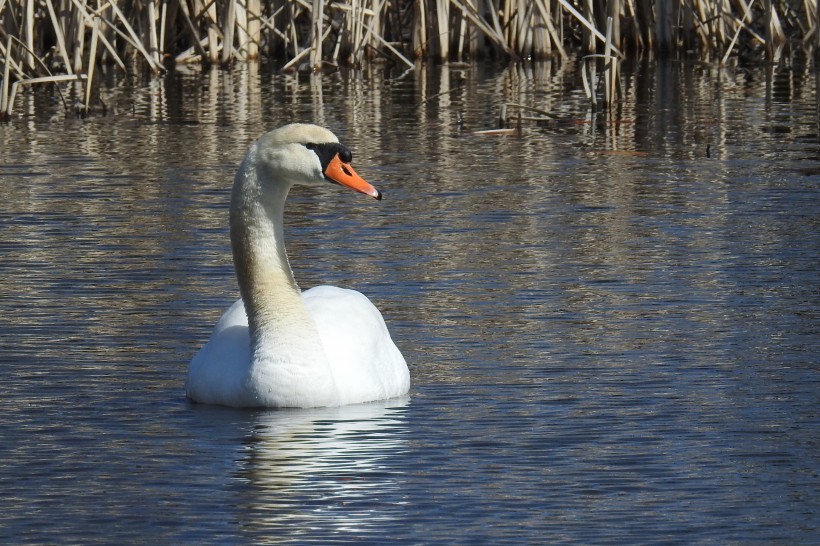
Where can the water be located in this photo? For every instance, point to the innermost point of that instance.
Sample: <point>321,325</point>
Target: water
<point>611,324</point>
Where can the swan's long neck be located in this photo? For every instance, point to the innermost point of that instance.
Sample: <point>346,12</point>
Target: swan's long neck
<point>285,342</point>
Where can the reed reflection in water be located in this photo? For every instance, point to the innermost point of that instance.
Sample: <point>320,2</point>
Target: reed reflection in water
<point>611,323</point>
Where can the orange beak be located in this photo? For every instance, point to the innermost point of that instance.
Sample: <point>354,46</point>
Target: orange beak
<point>342,173</point>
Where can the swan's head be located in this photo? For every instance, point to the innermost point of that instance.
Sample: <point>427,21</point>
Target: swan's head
<point>307,154</point>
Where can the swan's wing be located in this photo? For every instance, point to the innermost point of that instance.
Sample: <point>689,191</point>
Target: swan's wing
<point>366,363</point>
<point>234,316</point>
<point>221,366</point>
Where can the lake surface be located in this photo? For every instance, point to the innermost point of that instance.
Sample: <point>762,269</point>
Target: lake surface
<point>611,322</point>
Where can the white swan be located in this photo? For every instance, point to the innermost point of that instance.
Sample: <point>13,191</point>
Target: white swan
<point>282,347</point>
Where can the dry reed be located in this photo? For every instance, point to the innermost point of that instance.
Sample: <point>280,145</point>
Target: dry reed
<point>38,37</point>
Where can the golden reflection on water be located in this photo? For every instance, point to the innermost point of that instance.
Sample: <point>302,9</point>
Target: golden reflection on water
<point>178,145</point>
<point>174,139</point>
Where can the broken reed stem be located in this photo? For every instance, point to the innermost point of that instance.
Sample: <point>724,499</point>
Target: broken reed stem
<point>737,32</point>
<point>4,89</point>
<point>227,32</point>
<point>9,89</point>
<point>241,32</point>
<point>58,32</point>
<point>29,34</point>
<point>95,31</point>
<point>316,34</point>
<point>392,49</point>
<point>254,28</point>
<point>611,69</point>
<point>153,39</point>
<point>47,79</point>
<point>163,14</point>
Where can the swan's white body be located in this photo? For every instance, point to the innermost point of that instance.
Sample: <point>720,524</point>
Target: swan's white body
<point>278,346</point>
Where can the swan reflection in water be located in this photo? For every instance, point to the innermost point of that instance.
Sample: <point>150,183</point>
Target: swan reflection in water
<point>322,472</point>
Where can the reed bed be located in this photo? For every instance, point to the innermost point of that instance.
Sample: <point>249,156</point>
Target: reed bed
<point>52,41</point>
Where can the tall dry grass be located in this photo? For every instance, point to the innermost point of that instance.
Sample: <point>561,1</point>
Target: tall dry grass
<point>46,41</point>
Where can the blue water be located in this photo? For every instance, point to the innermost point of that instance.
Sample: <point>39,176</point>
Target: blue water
<point>611,323</point>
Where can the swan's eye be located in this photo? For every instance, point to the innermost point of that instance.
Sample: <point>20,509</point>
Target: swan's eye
<point>327,152</point>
